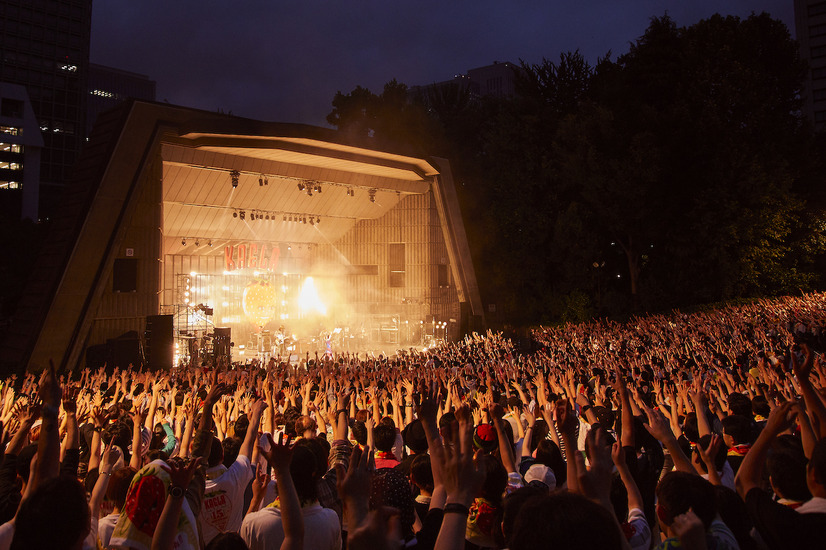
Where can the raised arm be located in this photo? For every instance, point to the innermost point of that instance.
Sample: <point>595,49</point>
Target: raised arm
<point>627,437</point>
<point>634,494</point>
<point>279,457</point>
<point>463,478</point>
<point>48,446</point>
<point>167,526</point>
<point>659,428</point>
<point>138,419</point>
<point>110,456</point>
<point>813,401</point>
<point>750,473</point>
<point>252,431</point>
<point>505,448</point>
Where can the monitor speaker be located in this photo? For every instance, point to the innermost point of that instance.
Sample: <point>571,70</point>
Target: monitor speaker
<point>160,344</point>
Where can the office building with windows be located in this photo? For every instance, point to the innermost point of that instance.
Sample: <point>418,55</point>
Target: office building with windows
<point>107,87</point>
<point>20,146</point>
<point>44,46</point>
<point>810,23</point>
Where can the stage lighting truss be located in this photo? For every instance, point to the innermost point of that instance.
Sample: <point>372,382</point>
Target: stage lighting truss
<point>304,185</point>
<point>263,215</point>
<point>312,219</point>
<point>197,241</point>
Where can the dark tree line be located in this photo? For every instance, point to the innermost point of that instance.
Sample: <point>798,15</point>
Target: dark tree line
<point>681,173</point>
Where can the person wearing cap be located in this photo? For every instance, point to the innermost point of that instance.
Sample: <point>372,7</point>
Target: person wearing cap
<point>540,476</point>
<point>416,443</point>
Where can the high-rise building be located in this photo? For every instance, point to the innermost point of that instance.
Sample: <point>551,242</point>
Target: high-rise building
<point>20,147</point>
<point>44,46</point>
<point>108,86</point>
<point>810,24</point>
<point>497,80</point>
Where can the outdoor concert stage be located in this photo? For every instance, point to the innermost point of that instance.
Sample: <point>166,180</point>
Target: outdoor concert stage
<point>186,231</point>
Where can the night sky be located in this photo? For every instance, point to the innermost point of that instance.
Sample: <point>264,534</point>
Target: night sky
<point>284,60</point>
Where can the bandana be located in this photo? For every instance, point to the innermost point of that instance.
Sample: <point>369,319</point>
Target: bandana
<point>739,450</point>
<point>793,504</point>
<point>480,523</point>
<point>142,510</point>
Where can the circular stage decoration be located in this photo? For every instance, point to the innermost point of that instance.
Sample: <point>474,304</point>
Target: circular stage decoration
<point>259,301</point>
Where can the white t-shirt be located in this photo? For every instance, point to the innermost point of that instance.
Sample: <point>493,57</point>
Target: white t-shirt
<point>263,530</point>
<point>817,505</point>
<point>91,540</point>
<point>6,535</point>
<point>106,526</point>
<point>222,510</point>
<point>639,534</point>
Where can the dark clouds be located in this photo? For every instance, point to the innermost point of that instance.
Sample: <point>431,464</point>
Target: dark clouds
<point>284,60</point>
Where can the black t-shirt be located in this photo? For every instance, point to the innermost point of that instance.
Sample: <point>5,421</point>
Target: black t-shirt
<point>781,527</point>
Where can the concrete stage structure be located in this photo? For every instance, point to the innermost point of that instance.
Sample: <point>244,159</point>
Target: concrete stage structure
<point>285,236</point>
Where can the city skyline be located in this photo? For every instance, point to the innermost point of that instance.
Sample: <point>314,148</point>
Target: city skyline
<point>286,62</point>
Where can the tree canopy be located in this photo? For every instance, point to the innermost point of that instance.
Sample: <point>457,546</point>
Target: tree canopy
<point>682,172</point>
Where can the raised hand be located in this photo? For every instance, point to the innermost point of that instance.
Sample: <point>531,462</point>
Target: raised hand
<point>279,455</point>
<point>802,372</point>
<point>595,482</point>
<point>781,418</point>
<point>462,473</point>
<point>355,484</point>
<point>690,530</point>
<point>658,425</point>
<point>180,475</point>
<point>49,388</point>
<point>70,399</point>
<point>259,483</point>
<point>565,418</point>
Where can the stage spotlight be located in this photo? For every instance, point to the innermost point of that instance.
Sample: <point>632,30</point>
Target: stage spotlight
<point>285,217</point>
<point>197,243</point>
<point>266,216</point>
<point>301,186</point>
<point>318,188</point>
<point>309,191</point>
<point>209,243</point>
<point>183,242</point>
<point>318,220</point>
<point>243,214</point>
<point>312,221</point>
<point>266,180</point>
<point>260,181</point>
<point>305,220</point>
<point>289,247</point>
<point>372,195</point>
<point>234,176</point>
<point>235,214</point>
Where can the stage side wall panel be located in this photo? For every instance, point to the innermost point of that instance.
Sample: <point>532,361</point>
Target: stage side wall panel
<point>414,222</point>
<point>120,312</point>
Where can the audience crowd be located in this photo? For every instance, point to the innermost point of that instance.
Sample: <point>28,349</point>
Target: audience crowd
<point>695,431</point>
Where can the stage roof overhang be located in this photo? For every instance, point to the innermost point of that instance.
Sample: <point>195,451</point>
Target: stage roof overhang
<point>201,203</point>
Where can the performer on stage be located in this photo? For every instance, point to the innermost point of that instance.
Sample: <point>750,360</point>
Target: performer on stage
<point>328,344</point>
<point>280,340</point>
